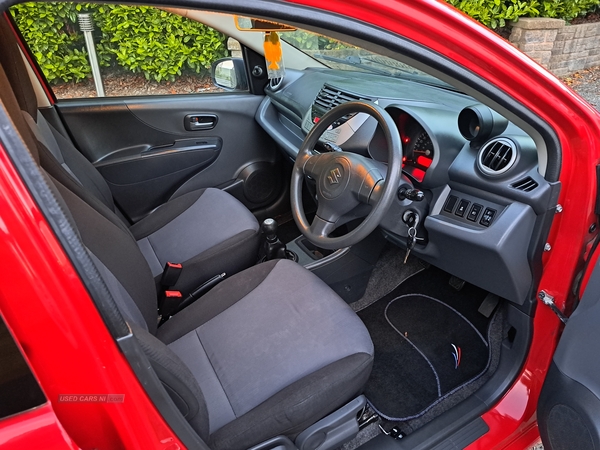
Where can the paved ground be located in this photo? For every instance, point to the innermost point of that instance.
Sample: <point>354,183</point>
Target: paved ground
<point>587,84</point>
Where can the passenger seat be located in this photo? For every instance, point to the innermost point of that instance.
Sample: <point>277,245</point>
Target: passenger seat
<point>208,231</point>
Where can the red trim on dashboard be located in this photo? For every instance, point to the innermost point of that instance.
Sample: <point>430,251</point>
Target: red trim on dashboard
<point>424,161</point>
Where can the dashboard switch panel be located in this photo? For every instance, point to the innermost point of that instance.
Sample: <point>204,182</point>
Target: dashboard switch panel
<point>487,217</point>
<point>470,211</point>
<point>462,208</point>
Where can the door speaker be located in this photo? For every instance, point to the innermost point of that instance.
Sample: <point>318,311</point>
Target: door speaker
<point>567,431</point>
<point>261,182</point>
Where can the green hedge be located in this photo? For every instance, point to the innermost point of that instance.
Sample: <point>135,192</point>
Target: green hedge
<point>144,40</point>
<point>162,45</point>
<point>495,13</point>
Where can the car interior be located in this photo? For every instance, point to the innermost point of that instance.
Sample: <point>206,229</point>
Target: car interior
<point>346,255</point>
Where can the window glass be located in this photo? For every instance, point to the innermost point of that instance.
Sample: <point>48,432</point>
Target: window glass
<point>342,56</point>
<point>140,50</point>
<point>19,391</point>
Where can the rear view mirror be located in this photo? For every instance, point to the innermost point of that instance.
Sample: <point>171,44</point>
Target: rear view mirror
<point>248,24</point>
<point>230,74</point>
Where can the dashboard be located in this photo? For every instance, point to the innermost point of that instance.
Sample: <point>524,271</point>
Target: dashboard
<point>483,195</point>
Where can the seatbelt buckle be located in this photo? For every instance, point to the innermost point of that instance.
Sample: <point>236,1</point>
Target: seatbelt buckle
<point>169,303</point>
<point>170,274</point>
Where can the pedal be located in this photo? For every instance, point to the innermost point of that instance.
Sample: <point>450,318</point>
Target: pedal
<point>488,305</point>
<point>456,283</point>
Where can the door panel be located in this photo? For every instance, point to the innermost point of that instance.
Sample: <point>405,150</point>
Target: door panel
<point>569,406</point>
<point>139,178</point>
<point>148,148</point>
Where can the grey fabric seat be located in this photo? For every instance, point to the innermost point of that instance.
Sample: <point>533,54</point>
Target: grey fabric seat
<point>207,230</point>
<point>267,352</point>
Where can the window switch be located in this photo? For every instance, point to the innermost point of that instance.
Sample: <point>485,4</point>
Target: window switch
<point>474,213</point>
<point>462,208</point>
<point>487,217</point>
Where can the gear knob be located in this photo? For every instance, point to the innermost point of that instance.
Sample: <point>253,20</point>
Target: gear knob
<point>269,228</point>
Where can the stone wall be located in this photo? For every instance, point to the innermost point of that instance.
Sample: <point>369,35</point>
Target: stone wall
<point>562,49</point>
<point>234,48</point>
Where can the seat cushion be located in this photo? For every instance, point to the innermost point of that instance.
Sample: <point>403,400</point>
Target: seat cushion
<point>207,230</point>
<point>273,349</point>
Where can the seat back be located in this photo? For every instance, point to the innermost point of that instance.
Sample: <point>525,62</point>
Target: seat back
<point>68,161</point>
<point>126,274</point>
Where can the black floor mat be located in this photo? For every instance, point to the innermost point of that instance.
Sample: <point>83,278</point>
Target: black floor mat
<point>429,341</point>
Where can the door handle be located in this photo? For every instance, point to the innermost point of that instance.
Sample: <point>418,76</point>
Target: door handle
<point>200,122</point>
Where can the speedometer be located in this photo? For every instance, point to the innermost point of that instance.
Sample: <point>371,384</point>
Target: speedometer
<point>422,150</point>
<point>417,145</point>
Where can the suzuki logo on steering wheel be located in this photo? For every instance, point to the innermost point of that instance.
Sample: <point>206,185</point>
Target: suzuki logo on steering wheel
<point>334,176</point>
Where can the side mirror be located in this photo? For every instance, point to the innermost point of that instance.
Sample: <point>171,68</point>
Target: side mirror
<point>230,74</point>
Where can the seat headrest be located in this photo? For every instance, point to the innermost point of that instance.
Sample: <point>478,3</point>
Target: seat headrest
<point>15,69</point>
<point>9,101</point>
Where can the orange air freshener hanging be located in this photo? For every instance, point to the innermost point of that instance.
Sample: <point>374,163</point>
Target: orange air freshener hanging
<point>273,55</point>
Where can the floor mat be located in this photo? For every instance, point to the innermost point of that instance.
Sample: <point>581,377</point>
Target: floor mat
<point>389,272</point>
<point>429,342</point>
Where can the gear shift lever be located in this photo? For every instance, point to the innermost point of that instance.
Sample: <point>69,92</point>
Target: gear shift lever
<point>272,247</point>
<point>269,229</point>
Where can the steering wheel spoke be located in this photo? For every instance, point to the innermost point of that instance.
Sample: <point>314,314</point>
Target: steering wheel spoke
<point>311,166</point>
<point>369,189</point>
<point>376,193</point>
<point>321,227</point>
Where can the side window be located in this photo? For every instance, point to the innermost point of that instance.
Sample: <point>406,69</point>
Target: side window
<point>140,50</point>
<point>19,390</point>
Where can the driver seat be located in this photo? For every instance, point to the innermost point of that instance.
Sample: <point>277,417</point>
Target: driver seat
<point>267,352</point>
<point>207,230</point>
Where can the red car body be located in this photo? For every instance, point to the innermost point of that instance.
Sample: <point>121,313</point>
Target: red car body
<point>70,351</point>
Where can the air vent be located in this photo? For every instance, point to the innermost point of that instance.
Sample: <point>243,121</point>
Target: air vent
<point>497,156</point>
<point>275,83</point>
<point>330,97</point>
<point>526,184</point>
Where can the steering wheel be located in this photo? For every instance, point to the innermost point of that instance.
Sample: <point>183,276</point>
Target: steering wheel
<point>345,181</point>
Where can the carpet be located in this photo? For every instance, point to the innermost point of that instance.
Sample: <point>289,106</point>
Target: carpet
<point>429,342</point>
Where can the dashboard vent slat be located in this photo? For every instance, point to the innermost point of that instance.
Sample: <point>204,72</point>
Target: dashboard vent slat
<point>527,184</point>
<point>497,156</point>
<point>330,97</point>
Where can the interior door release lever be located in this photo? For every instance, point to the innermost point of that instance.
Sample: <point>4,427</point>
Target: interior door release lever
<point>200,122</point>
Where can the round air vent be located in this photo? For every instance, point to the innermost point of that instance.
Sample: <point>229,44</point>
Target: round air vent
<point>497,156</point>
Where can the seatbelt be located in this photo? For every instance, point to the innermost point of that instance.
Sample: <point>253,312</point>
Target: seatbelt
<point>171,301</point>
